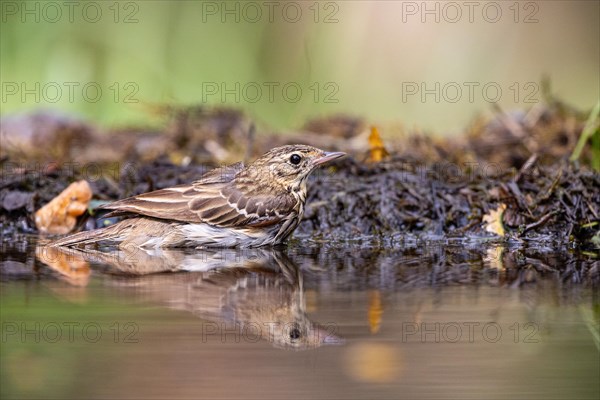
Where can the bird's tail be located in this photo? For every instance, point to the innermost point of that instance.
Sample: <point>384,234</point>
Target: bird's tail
<point>88,237</point>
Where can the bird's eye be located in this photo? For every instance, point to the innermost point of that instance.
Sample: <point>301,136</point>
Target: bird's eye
<point>295,159</point>
<point>295,334</point>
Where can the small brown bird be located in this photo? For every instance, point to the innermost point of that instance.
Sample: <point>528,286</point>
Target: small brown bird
<point>247,206</point>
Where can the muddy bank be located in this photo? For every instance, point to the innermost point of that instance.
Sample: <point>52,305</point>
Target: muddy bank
<point>507,179</point>
<point>553,204</point>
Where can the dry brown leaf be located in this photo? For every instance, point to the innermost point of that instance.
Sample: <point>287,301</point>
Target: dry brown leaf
<point>377,150</point>
<point>60,215</point>
<point>493,220</point>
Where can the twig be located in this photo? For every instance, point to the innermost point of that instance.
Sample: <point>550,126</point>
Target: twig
<point>516,129</point>
<point>526,167</point>
<point>250,142</point>
<point>437,208</point>
<point>519,197</point>
<point>533,115</point>
<point>539,222</point>
<point>552,187</point>
<point>591,209</point>
<point>460,231</point>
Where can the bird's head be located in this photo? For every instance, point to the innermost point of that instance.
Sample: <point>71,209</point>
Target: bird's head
<point>293,163</point>
<point>302,334</point>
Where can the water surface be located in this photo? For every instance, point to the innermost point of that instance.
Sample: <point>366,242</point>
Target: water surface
<point>417,320</point>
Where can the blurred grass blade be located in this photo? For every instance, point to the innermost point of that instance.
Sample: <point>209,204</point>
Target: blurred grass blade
<point>596,149</point>
<point>591,323</point>
<point>591,126</point>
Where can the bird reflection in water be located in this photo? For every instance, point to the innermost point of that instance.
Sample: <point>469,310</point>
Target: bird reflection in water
<point>257,291</point>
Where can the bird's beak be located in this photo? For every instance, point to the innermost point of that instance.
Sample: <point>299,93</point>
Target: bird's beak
<point>328,156</point>
<point>327,338</point>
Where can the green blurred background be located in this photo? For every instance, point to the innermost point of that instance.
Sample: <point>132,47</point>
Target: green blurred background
<point>367,58</point>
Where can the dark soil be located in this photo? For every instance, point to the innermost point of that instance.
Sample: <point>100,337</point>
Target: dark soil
<point>426,187</point>
<point>546,204</point>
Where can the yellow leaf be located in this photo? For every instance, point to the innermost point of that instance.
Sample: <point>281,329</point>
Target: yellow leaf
<point>493,220</point>
<point>377,150</point>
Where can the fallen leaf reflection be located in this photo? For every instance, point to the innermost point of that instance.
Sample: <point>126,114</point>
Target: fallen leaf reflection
<point>373,362</point>
<point>74,270</point>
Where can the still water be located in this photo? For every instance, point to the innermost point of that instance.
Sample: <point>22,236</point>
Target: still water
<point>351,320</point>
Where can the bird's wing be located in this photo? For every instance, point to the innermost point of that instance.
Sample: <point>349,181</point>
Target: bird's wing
<point>231,205</point>
<point>221,175</point>
<point>216,199</point>
<point>168,203</point>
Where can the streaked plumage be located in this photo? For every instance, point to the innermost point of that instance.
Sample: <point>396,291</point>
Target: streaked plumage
<point>252,206</point>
